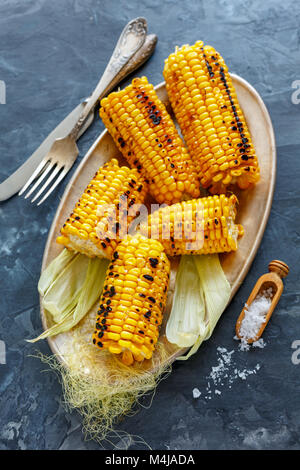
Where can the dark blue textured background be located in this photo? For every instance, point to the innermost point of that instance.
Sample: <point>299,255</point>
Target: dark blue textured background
<point>51,56</point>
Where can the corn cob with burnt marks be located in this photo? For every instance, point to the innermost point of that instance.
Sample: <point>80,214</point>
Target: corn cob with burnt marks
<point>133,299</point>
<point>147,137</point>
<point>94,226</point>
<point>199,226</point>
<point>213,125</point>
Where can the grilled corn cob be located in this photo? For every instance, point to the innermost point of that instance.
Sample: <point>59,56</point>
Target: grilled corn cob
<point>213,125</point>
<point>147,137</point>
<point>199,226</point>
<point>92,229</point>
<point>133,299</point>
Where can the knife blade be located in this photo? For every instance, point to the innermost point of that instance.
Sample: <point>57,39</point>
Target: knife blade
<point>16,181</point>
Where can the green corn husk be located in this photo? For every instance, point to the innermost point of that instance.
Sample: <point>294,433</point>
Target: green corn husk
<point>201,295</point>
<point>71,285</point>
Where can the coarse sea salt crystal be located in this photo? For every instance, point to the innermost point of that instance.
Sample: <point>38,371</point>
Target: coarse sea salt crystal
<point>260,343</point>
<point>244,346</point>
<point>255,315</point>
<point>225,373</point>
<point>196,393</point>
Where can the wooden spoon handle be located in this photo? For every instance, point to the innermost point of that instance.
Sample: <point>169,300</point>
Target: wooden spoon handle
<point>279,267</point>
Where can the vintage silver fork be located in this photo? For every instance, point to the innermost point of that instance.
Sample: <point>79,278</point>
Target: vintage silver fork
<point>132,49</point>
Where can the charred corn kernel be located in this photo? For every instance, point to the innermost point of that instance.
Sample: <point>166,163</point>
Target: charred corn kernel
<point>149,140</point>
<point>94,226</point>
<point>129,323</point>
<point>198,226</point>
<point>205,103</point>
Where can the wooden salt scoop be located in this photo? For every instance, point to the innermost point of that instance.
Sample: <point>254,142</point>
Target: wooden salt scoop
<point>273,279</point>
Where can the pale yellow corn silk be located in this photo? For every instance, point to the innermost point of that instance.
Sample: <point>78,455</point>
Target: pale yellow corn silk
<point>99,385</point>
<point>96,383</point>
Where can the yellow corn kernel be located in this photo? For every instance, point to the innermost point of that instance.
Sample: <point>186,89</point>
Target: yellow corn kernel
<point>126,335</point>
<point>115,349</point>
<point>135,333</point>
<point>147,137</point>
<point>90,220</point>
<point>211,221</point>
<point>113,336</point>
<point>202,87</point>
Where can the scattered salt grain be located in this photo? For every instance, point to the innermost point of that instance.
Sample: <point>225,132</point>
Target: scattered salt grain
<point>196,393</point>
<point>243,346</point>
<point>224,361</point>
<point>223,375</point>
<point>260,343</point>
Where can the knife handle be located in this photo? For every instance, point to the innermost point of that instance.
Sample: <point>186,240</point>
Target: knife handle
<point>130,42</point>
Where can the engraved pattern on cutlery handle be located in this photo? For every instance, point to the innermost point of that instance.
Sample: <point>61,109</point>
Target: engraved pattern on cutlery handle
<point>131,40</point>
<point>138,59</point>
<point>136,30</point>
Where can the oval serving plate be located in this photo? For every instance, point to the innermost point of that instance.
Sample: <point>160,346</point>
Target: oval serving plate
<point>253,213</point>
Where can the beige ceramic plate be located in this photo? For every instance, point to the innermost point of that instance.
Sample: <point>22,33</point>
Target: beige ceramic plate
<point>253,212</point>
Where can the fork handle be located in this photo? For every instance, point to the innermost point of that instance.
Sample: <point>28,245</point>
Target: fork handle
<point>131,40</point>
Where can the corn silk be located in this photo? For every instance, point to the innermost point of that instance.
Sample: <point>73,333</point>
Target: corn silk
<point>98,384</point>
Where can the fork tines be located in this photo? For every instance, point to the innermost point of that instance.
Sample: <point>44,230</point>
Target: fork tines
<point>54,170</point>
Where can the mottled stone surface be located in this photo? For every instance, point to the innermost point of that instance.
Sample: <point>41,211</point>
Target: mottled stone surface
<point>51,55</point>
